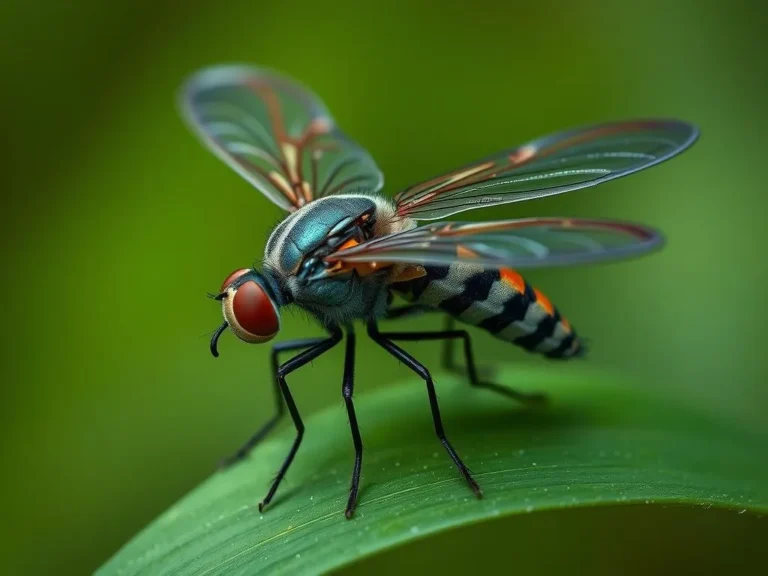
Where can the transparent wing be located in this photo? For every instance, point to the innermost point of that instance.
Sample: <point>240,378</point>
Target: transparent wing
<point>524,243</point>
<point>276,134</point>
<point>551,165</point>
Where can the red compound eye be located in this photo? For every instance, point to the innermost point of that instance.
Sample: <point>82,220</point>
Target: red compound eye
<point>232,277</point>
<point>255,315</point>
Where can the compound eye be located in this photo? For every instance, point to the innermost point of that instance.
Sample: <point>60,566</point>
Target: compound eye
<point>232,277</point>
<point>251,313</point>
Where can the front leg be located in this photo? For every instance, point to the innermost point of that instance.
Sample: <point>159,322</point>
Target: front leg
<point>267,427</point>
<point>296,362</point>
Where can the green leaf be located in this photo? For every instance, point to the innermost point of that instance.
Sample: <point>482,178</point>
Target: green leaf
<point>599,443</point>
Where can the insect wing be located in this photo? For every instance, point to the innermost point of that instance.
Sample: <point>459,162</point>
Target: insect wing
<point>276,134</point>
<point>551,165</point>
<point>524,243</point>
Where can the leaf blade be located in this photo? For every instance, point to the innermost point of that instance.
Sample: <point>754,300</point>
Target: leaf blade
<point>599,444</point>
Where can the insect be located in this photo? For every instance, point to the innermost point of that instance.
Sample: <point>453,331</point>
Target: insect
<point>344,250</point>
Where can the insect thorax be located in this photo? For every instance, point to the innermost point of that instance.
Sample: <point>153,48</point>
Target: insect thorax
<point>297,246</point>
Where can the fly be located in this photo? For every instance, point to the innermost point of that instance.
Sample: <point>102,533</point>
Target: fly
<point>344,250</point>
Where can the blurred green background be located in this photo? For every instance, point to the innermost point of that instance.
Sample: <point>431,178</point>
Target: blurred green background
<point>116,222</point>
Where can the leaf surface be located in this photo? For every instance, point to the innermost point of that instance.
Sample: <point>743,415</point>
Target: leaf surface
<point>600,442</point>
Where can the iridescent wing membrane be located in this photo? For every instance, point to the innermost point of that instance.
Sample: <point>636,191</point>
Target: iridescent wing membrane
<point>551,165</point>
<point>526,243</point>
<point>276,134</point>
<point>280,137</point>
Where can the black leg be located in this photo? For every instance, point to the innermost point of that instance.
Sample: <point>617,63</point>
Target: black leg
<point>448,336</point>
<point>447,353</point>
<point>296,362</point>
<point>408,310</point>
<point>382,340</point>
<point>262,432</point>
<point>347,388</point>
<point>448,356</point>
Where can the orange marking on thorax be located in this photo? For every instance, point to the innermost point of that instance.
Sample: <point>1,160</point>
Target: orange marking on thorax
<point>351,243</point>
<point>566,324</point>
<point>362,268</point>
<point>513,279</point>
<point>544,302</point>
<point>366,268</point>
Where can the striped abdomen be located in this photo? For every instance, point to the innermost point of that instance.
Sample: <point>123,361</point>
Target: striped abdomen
<point>499,301</point>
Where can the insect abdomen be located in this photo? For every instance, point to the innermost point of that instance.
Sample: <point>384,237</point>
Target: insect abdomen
<point>499,301</point>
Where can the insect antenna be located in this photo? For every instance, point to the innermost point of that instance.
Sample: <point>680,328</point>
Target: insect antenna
<point>208,333</point>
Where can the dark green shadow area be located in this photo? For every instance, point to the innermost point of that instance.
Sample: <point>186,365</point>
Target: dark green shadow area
<point>623,540</point>
<point>604,454</point>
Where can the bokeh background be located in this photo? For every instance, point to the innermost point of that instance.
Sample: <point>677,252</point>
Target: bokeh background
<point>115,222</point>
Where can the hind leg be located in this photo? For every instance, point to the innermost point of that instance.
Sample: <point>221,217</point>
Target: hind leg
<point>448,336</point>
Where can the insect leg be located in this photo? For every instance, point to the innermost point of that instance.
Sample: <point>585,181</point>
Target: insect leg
<point>347,388</point>
<point>262,432</point>
<point>407,310</point>
<point>448,336</point>
<point>446,353</point>
<point>382,340</point>
<point>283,370</point>
<point>448,356</point>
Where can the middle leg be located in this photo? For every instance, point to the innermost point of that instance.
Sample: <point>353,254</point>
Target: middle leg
<point>347,388</point>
